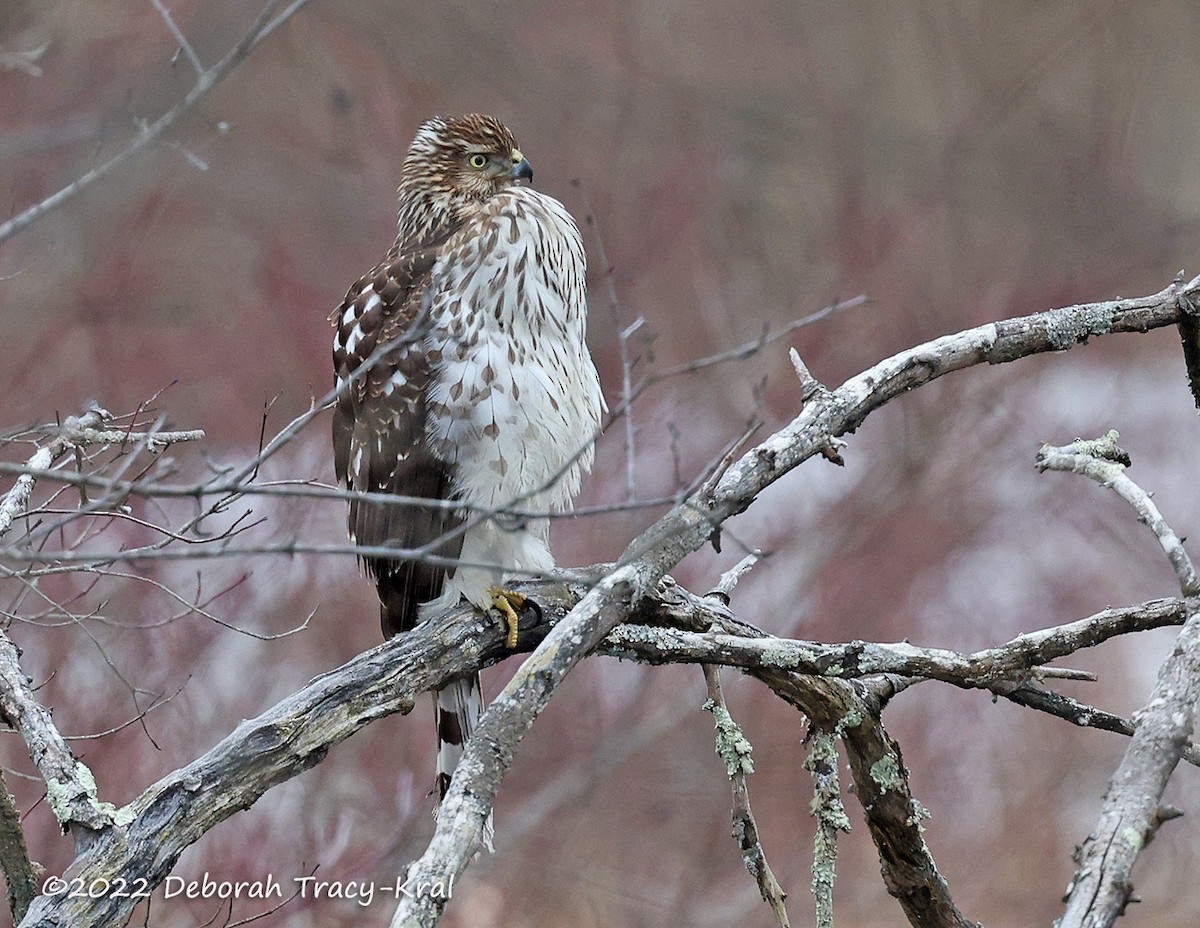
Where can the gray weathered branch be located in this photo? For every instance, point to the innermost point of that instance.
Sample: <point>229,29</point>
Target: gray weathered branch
<point>20,873</point>
<point>297,733</point>
<point>689,526</point>
<point>1131,811</point>
<point>70,786</point>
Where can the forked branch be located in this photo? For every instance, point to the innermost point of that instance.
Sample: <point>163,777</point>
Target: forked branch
<point>1131,812</point>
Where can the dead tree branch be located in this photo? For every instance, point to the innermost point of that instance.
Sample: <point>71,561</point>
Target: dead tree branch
<point>145,838</point>
<point>20,873</point>
<point>1131,812</point>
<point>831,818</point>
<point>689,526</point>
<point>70,786</point>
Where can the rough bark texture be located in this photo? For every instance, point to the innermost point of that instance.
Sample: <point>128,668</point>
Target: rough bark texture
<point>146,838</point>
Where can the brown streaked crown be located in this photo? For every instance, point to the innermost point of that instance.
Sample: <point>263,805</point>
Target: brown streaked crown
<point>452,164</point>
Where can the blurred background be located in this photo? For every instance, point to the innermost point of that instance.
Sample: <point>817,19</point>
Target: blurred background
<point>745,164</point>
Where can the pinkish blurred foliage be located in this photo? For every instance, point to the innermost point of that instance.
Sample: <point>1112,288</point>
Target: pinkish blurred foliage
<point>746,164</point>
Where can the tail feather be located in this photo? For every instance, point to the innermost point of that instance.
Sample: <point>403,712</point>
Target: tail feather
<point>458,707</point>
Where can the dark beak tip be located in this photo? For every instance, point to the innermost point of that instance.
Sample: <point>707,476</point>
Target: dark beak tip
<point>522,170</point>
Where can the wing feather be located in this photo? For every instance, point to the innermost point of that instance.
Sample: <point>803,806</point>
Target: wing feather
<point>379,431</point>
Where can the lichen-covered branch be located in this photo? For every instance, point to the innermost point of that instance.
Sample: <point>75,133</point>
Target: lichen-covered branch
<point>881,787</point>
<point>292,736</point>
<point>979,670</point>
<point>1004,670</point>
<point>20,873</point>
<point>144,839</point>
<point>822,763</point>
<point>689,526</point>
<point>735,751</point>
<point>70,786</point>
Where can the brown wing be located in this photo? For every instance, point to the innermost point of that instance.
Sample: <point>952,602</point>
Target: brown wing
<point>379,432</point>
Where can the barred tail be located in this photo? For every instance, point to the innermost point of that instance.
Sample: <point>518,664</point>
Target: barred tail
<point>457,707</point>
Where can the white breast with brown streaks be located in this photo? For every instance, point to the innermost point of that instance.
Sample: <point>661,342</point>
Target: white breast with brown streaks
<point>515,399</point>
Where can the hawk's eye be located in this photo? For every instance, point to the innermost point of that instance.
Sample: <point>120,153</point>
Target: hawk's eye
<point>478,161</point>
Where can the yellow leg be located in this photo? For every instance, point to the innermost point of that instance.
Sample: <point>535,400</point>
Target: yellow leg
<point>507,602</point>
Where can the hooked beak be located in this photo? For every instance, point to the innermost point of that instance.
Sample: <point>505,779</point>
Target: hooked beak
<point>521,169</point>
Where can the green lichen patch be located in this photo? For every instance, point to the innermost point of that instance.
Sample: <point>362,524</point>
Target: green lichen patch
<point>885,773</point>
<point>733,747</point>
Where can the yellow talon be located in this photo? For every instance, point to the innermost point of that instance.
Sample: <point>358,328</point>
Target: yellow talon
<point>507,602</point>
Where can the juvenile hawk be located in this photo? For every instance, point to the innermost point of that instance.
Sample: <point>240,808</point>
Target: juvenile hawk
<point>484,393</point>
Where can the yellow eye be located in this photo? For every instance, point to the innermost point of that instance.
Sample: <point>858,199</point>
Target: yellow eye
<point>478,161</point>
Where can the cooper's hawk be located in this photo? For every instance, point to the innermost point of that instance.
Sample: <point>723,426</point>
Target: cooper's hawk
<point>483,397</point>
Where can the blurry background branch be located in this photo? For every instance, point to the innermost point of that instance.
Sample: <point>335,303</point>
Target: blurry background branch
<point>206,80</point>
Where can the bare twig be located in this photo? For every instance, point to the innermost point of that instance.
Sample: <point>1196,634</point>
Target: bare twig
<point>16,499</point>
<point>751,348</point>
<point>177,33</point>
<point>730,578</point>
<point>624,334</point>
<point>154,441</point>
<point>1104,462</point>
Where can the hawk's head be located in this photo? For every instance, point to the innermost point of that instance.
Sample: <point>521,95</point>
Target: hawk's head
<point>451,165</point>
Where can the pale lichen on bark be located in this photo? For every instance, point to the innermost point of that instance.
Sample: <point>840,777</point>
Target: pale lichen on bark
<point>732,745</point>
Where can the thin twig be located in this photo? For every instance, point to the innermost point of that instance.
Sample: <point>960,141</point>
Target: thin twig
<point>1104,462</point>
<point>16,500</point>
<point>728,580</point>
<point>179,37</point>
<point>624,334</point>
<point>749,349</point>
